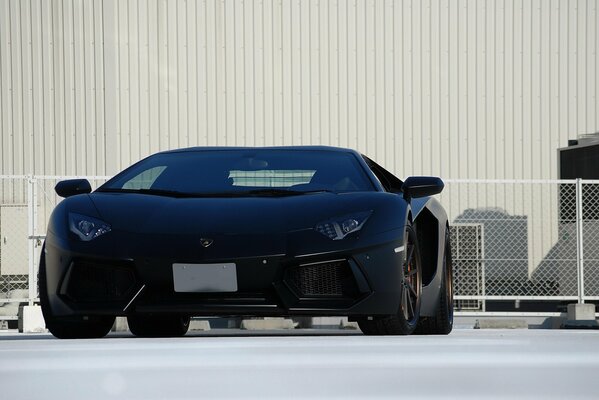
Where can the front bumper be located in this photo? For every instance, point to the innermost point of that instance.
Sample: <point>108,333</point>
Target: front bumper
<point>364,281</point>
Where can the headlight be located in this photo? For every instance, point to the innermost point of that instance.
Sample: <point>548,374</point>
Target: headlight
<point>338,228</point>
<point>87,228</point>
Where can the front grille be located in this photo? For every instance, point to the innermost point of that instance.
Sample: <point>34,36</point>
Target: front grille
<point>332,278</point>
<point>98,281</point>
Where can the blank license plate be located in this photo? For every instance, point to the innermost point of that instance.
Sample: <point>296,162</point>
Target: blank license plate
<point>198,278</point>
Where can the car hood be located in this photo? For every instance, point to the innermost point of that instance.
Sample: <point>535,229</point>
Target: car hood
<point>142,213</point>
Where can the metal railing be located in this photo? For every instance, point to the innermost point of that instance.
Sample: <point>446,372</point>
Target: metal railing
<point>523,245</point>
<point>514,242</point>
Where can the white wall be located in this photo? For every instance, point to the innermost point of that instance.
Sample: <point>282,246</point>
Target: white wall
<point>461,89</point>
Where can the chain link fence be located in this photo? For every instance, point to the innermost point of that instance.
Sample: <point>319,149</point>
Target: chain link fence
<point>531,241</point>
<point>14,245</point>
<point>512,241</point>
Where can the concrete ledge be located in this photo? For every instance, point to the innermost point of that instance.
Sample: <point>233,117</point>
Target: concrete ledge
<point>31,320</point>
<point>120,325</point>
<point>345,324</point>
<point>581,312</point>
<point>267,324</point>
<point>199,325</point>
<point>327,322</point>
<point>500,324</point>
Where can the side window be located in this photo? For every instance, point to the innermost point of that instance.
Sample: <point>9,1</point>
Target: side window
<point>389,181</point>
<point>145,179</point>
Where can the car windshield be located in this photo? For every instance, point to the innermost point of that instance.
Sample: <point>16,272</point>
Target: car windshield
<point>245,171</point>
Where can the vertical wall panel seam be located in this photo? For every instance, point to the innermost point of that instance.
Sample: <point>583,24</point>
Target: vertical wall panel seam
<point>176,44</point>
<point>309,94</point>
<point>128,88</point>
<point>499,141</point>
<point>85,94</point>
<point>384,93</point>
<point>2,116</point>
<point>197,110</point>
<point>139,88</point>
<point>74,91</point>
<point>301,78</point>
<point>104,80</point>
<point>430,90</point>
<point>292,117</point>
<point>42,102</point>
<point>216,72</point>
<point>261,46</point>
<point>568,67</point>
<point>356,61</point>
<point>521,174</point>
<point>329,76</point>
<point>541,114</point>
<point>530,133</point>
<point>395,95</point>
<point>94,154</point>
<point>53,89</point>
<point>262,134</point>
<point>30,94</point>
<point>187,131</point>
<point>559,70</point>
<point>64,89</point>
<point>476,88</point>
<point>169,133</point>
<point>412,133</point>
<point>207,125</point>
<point>11,42</point>
<point>274,96</point>
<point>457,66</point>
<point>119,133</point>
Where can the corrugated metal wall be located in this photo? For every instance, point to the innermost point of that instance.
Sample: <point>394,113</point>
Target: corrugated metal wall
<point>461,89</point>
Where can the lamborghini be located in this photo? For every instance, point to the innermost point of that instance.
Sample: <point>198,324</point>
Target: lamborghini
<point>248,232</point>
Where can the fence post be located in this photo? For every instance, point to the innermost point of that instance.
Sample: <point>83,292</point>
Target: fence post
<point>32,281</point>
<point>579,242</point>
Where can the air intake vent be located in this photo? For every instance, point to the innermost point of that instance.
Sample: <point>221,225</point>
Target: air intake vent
<point>324,279</point>
<point>91,281</point>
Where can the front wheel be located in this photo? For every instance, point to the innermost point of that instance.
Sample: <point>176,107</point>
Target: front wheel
<point>70,327</point>
<point>406,319</point>
<point>158,325</point>
<point>442,322</point>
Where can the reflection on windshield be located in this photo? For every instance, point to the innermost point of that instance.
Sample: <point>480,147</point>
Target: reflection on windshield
<point>243,172</point>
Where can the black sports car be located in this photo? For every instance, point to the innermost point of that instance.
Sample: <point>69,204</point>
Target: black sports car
<point>286,231</point>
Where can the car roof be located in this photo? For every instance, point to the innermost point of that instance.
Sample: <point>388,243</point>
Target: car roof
<point>294,148</point>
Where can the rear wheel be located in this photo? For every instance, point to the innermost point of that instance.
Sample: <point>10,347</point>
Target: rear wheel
<point>70,327</point>
<point>442,322</point>
<point>158,325</point>
<point>406,319</point>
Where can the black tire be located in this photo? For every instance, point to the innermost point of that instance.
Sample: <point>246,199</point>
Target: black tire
<point>70,327</point>
<point>442,322</point>
<point>406,319</point>
<point>158,325</point>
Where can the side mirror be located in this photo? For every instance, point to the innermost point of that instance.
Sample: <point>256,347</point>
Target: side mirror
<point>72,187</point>
<point>422,186</point>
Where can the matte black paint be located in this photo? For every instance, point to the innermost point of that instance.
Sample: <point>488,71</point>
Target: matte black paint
<point>263,235</point>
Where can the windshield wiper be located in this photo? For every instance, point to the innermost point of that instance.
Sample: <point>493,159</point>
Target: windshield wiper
<point>156,192</point>
<point>282,192</point>
<point>273,192</point>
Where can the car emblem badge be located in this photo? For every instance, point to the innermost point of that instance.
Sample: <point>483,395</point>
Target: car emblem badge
<point>206,242</point>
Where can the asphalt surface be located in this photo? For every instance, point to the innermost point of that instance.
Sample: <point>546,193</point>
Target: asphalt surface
<point>468,364</point>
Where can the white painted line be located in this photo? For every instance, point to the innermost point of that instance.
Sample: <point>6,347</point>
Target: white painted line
<point>399,249</point>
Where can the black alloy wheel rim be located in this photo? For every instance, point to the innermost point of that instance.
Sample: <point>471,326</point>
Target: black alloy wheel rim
<point>411,283</point>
